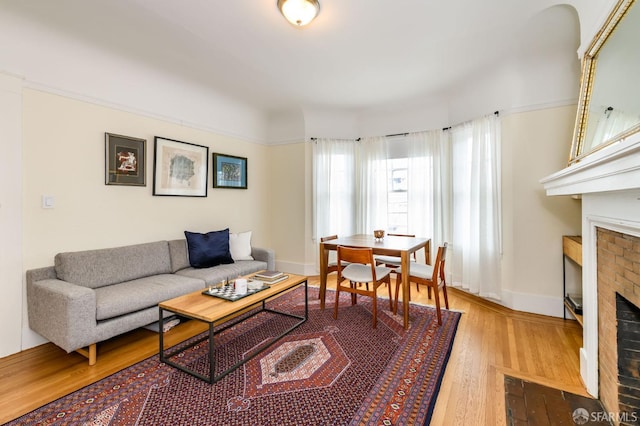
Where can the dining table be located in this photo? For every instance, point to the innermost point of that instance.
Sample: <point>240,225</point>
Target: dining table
<point>389,245</point>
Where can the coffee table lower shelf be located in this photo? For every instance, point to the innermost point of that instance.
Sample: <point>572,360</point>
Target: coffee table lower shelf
<point>165,356</point>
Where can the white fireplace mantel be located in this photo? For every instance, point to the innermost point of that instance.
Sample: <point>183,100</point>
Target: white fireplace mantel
<point>608,182</point>
<point>616,167</point>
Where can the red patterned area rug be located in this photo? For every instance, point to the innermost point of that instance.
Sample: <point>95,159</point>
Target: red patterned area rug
<point>325,372</point>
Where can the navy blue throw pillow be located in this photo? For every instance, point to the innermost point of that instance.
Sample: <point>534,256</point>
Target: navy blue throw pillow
<point>210,249</point>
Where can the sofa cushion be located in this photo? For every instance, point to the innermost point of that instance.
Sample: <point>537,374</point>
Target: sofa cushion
<point>223,272</point>
<point>210,249</point>
<point>179,254</point>
<point>97,268</point>
<point>131,296</point>
<point>240,246</point>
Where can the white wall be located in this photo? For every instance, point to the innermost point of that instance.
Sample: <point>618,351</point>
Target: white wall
<point>328,123</point>
<point>10,214</point>
<point>285,127</point>
<point>534,144</point>
<point>592,15</point>
<point>540,72</point>
<point>50,56</point>
<point>414,117</point>
<point>64,157</point>
<point>287,168</point>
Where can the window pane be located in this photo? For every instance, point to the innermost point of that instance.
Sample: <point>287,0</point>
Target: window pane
<point>397,195</point>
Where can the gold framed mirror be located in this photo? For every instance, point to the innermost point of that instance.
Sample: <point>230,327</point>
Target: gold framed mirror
<point>609,103</point>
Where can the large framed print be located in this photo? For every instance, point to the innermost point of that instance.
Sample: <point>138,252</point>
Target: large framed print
<point>124,160</point>
<point>180,168</point>
<point>229,171</point>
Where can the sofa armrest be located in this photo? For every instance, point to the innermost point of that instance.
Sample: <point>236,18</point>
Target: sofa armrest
<point>265,255</point>
<point>62,312</point>
<point>41,274</point>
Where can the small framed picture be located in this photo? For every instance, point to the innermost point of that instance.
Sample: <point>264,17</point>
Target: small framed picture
<point>180,168</point>
<point>229,171</point>
<point>125,160</point>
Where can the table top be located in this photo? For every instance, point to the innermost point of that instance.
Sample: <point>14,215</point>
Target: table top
<point>392,244</point>
<point>211,309</point>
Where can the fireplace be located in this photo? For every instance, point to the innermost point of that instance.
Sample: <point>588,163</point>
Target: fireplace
<point>628,316</point>
<point>618,282</point>
<point>608,183</point>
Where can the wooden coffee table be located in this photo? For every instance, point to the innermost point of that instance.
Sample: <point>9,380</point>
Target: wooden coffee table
<point>216,311</point>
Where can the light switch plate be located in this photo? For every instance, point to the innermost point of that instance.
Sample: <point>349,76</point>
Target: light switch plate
<point>48,201</point>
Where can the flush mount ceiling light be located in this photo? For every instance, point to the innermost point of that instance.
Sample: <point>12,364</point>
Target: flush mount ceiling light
<point>299,12</point>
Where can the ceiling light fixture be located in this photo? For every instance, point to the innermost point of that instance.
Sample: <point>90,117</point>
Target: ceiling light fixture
<point>299,12</point>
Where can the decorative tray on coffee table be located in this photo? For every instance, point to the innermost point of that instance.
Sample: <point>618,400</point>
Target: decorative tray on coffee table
<point>228,292</point>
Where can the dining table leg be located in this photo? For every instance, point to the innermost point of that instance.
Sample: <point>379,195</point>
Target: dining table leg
<point>427,252</point>
<point>405,265</point>
<point>324,261</point>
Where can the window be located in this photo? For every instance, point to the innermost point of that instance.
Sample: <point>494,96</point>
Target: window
<point>397,210</point>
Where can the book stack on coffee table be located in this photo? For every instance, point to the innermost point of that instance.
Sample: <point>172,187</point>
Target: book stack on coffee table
<point>270,277</point>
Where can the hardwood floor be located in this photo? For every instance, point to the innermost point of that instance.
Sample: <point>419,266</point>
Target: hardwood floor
<point>491,341</point>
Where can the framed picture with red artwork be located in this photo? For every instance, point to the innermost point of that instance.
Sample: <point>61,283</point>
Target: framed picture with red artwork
<point>125,160</point>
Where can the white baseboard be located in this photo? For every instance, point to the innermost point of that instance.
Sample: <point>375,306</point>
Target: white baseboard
<point>525,302</point>
<point>297,268</point>
<point>590,380</point>
<point>533,303</point>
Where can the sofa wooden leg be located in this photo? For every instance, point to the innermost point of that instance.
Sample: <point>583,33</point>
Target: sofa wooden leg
<point>90,352</point>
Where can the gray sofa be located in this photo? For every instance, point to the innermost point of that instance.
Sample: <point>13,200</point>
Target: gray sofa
<point>90,296</point>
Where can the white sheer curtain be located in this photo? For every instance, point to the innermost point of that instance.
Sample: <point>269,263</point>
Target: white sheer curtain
<point>453,195</point>
<point>477,237</point>
<point>372,185</point>
<point>429,186</point>
<point>334,186</point>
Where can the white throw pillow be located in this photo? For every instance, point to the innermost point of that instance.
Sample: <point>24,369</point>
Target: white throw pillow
<point>240,246</point>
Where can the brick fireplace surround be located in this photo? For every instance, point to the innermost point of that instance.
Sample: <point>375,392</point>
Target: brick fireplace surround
<point>618,272</point>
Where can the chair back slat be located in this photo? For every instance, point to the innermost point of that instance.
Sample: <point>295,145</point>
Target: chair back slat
<point>438,267</point>
<point>330,237</point>
<point>355,255</point>
<point>443,258</point>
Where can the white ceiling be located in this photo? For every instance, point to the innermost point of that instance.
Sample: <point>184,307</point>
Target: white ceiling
<point>357,54</point>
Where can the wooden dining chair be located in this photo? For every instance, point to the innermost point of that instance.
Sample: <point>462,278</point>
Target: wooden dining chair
<point>432,276</point>
<point>360,269</point>
<point>394,261</point>
<point>331,266</point>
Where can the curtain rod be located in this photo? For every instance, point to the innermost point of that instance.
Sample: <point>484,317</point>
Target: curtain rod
<point>313,139</point>
<point>496,113</point>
